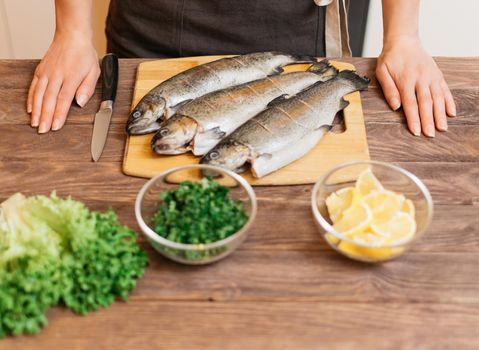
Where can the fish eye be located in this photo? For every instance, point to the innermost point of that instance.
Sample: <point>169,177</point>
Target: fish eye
<point>164,132</point>
<point>214,155</point>
<point>136,114</point>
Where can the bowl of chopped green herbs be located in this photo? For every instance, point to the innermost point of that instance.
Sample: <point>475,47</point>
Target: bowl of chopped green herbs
<point>194,219</point>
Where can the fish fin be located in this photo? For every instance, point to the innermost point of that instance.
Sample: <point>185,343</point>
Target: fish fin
<point>279,99</point>
<point>266,156</point>
<point>277,71</point>
<point>324,69</point>
<point>325,128</point>
<point>242,168</point>
<point>215,133</point>
<point>304,58</point>
<point>343,104</point>
<point>179,105</point>
<point>359,82</point>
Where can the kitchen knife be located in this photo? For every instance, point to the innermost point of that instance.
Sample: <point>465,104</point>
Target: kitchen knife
<point>109,74</point>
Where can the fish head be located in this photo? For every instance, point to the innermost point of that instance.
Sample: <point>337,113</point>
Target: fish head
<point>229,154</point>
<point>147,115</point>
<point>175,135</point>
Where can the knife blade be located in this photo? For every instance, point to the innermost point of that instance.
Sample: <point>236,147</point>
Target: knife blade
<point>109,73</point>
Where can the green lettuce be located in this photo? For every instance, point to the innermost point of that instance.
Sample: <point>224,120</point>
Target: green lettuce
<point>55,250</point>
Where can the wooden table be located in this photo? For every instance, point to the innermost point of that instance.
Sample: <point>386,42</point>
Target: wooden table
<point>284,287</point>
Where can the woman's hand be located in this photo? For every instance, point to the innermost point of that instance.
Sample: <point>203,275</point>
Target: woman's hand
<point>410,77</point>
<point>69,70</point>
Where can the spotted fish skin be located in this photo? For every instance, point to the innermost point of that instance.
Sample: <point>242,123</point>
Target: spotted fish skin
<point>288,129</point>
<point>167,97</point>
<point>217,114</point>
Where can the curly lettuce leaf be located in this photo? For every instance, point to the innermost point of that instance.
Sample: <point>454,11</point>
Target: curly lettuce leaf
<point>56,250</point>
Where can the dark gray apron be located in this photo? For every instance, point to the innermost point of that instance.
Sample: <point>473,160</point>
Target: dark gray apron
<point>175,28</point>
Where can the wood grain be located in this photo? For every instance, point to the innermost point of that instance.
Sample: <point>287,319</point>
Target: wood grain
<point>284,288</point>
<point>254,325</point>
<point>449,183</point>
<point>315,276</point>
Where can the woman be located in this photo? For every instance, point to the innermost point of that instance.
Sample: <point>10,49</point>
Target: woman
<point>164,28</point>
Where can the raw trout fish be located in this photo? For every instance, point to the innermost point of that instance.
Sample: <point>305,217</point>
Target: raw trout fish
<point>163,100</point>
<point>199,125</point>
<point>287,130</point>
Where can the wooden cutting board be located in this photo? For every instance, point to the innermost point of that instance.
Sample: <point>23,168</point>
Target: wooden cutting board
<point>334,148</point>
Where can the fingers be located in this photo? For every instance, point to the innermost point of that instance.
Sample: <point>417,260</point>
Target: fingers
<point>38,94</point>
<point>63,103</point>
<point>389,87</point>
<point>424,99</point>
<point>439,104</point>
<point>30,94</point>
<point>87,87</point>
<point>410,107</point>
<point>450,104</point>
<point>48,105</point>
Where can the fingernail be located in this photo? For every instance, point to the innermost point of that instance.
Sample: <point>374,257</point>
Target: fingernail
<point>82,100</point>
<point>395,103</point>
<point>430,131</point>
<point>416,129</point>
<point>56,125</point>
<point>454,111</point>
<point>29,109</point>
<point>43,128</point>
<point>442,126</point>
<point>34,121</point>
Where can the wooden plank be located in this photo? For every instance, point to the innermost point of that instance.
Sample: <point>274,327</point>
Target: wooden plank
<point>315,276</point>
<point>139,160</point>
<point>460,73</point>
<point>376,108</point>
<point>394,142</point>
<point>449,183</point>
<point>221,325</point>
<point>72,144</point>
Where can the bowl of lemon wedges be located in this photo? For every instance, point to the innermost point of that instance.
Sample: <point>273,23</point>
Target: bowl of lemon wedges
<point>371,211</point>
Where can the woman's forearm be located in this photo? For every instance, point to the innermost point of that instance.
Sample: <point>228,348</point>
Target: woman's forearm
<point>74,17</point>
<point>400,18</point>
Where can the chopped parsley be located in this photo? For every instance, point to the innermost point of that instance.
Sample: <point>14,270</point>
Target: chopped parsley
<point>198,213</point>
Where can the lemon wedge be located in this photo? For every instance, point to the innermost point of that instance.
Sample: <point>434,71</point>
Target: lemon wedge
<point>383,204</point>
<point>368,183</point>
<point>400,228</point>
<point>408,207</point>
<point>354,220</point>
<point>342,200</point>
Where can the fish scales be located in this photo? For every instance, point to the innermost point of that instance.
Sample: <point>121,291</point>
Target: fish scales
<point>165,99</point>
<point>217,114</point>
<point>287,130</point>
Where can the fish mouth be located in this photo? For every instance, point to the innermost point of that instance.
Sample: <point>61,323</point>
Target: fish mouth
<point>168,149</point>
<point>142,128</point>
<point>215,174</point>
<point>175,136</point>
<point>146,117</point>
<point>230,155</point>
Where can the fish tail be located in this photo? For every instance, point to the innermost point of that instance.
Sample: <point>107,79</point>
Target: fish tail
<point>359,82</point>
<point>304,59</point>
<point>324,69</point>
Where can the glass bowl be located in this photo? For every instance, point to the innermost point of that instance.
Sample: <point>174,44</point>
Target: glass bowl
<point>148,200</point>
<point>392,178</point>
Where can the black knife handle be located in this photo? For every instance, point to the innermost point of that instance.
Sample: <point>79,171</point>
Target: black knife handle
<point>109,73</point>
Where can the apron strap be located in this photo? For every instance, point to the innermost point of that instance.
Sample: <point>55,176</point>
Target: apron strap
<point>336,28</point>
